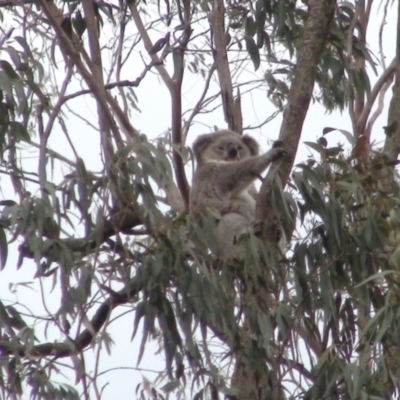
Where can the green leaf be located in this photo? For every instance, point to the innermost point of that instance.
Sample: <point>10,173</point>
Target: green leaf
<point>9,70</point>
<point>19,131</point>
<point>315,146</point>
<point>378,275</point>
<point>3,249</point>
<point>66,26</point>
<point>79,24</point>
<point>16,59</point>
<point>350,187</point>
<point>253,51</point>
<point>250,27</point>
<point>170,386</point>
<point>347,134</point>
<point>27,50</point>
<point>333,151</point>
<point>158,45</point>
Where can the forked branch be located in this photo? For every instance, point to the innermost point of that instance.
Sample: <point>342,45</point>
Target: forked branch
<point>320,13</point>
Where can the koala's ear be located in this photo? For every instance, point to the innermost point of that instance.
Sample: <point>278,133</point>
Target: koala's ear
<point>251,144</point>
<point>200,145</point>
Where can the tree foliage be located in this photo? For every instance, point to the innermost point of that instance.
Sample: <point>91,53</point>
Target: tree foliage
<point>101,232</point>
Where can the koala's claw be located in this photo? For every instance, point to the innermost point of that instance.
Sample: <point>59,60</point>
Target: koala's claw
<point>277,143</point>
<point>278,146</point>
<point>278,153</point>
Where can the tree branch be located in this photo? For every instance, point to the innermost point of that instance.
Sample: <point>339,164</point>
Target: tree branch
<point>118,222</point>
<point>387,75</point>
<point>174,86</point>
<point>70,347</point>
<point>149,45</point>
<point>232,110</point>
<point>199,104</point>
<point>392,142</point>
<point>320,13</point>
<point>54,17</point>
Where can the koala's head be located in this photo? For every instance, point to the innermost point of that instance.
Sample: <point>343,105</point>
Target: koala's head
<point>224,145</point>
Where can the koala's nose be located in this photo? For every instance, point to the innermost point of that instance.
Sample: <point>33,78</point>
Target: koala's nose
<point>232,150</point>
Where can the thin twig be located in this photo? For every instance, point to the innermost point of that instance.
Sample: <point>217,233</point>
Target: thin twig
<point>199,104</point>
<point>381,104</point>
<point>53,15</point>
<point>386,76</point>
<point>149,45</point>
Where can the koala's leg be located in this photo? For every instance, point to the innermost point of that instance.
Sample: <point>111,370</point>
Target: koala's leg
<point>230,226</point>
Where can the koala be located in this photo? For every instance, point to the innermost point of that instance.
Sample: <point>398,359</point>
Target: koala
<point>227,166</point>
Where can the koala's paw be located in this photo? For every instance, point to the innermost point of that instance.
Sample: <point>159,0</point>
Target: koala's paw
<point>277,143</point>
<point>277,150</point>
<point>257,227</point>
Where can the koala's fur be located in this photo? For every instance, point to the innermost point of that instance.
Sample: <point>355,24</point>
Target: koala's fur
<point>227,166</point>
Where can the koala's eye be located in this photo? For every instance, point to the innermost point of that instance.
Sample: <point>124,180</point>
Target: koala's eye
<point>240,147</point>
<point>220,147</point>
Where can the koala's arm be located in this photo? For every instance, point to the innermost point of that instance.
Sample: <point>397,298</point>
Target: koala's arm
<point>239,175</point>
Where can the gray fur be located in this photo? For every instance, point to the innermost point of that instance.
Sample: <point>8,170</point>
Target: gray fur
<point>227,166</point>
